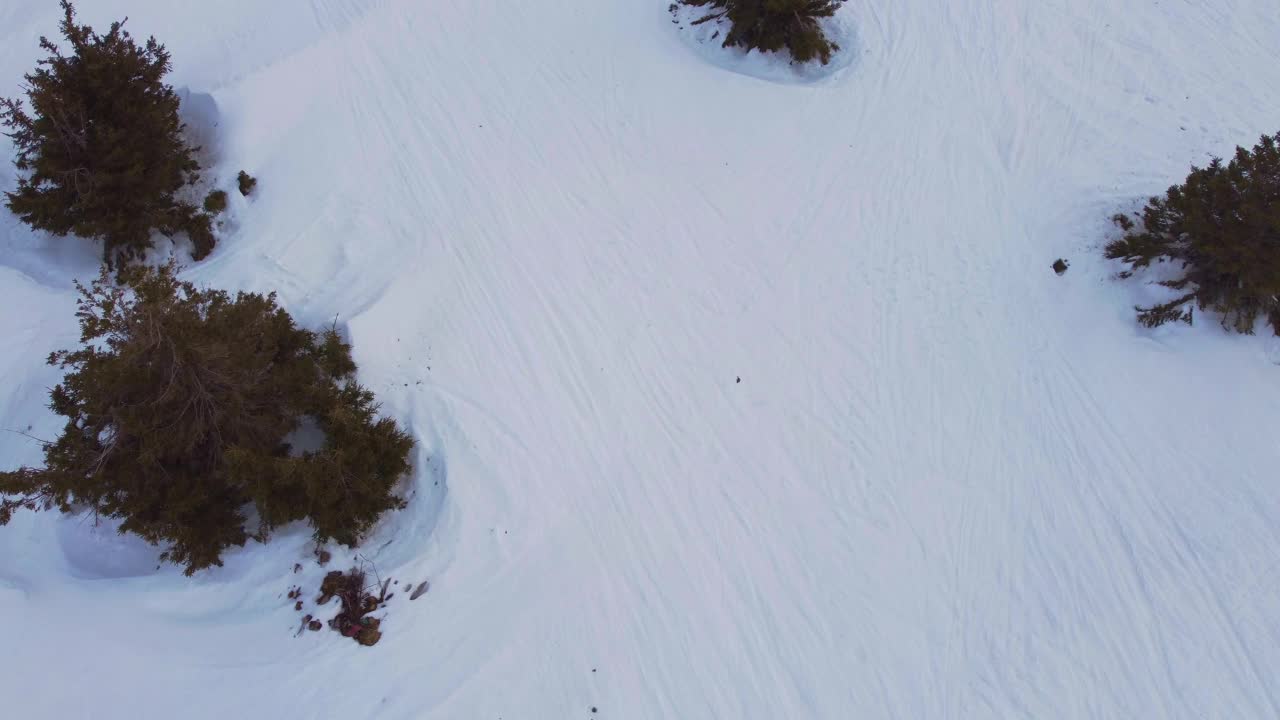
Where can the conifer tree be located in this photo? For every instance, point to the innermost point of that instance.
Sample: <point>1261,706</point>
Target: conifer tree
<point>1222,227</point>
<point>100,153</point>
<point>247,183</point>
<point>180,405</point>
<point>775,24</point>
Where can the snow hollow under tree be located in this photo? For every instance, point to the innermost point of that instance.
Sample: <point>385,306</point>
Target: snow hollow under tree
<point>949,483</point>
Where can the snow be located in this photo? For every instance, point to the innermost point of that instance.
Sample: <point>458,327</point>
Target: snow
<point>949,484</point>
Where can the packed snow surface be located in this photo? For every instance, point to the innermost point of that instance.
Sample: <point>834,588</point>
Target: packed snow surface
<point>740,391</point>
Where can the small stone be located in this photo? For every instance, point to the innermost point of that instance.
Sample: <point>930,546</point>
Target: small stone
<point>1060,266</point>
<point>420,590</point>
<point>323,557</point>
<point>315,626</point>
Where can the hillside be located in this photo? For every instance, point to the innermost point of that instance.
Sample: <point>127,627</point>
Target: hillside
<point>739,392</point>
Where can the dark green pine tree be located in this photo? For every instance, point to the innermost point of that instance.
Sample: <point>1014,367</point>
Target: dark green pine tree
<point>180,408</point>
<point>1222,227</point>
<point>101,152</point>
<point>773,25</point>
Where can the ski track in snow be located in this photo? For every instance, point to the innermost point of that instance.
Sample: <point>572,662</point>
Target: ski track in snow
<point>949,483</point>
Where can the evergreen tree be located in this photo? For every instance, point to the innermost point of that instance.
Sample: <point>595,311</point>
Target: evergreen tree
<point>101,153</point>
<point>180,406</point>
<point>1222,226</point>
<point>775,24</point>
<point>215,202</point>
<point>247,183</point>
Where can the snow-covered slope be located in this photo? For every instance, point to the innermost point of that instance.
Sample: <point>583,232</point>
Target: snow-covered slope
<point>949,483</point>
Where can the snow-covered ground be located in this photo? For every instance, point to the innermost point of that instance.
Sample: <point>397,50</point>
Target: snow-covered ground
<point>949,484</point>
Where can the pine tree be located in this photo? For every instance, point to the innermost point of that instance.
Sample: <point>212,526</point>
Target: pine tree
<point>179,406</point>
<point>772,25</point>
<point>101,153</point>
<point>1222,226</point>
